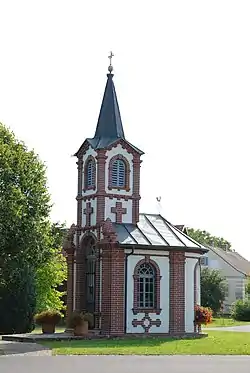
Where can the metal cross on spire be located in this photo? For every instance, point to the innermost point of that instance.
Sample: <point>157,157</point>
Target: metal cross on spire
<point>110,68</point>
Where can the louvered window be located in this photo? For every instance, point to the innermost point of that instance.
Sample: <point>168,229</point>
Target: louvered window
<point>90,174</point>
<point>118,173</point>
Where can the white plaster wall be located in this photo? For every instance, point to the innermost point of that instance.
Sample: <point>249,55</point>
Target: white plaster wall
<point>189,294</point>
<point>110,154</point>
<point>89,152</point>
<point>109,203</point>
<point>235,280</point>
<point>163,263</point>
<point>93,216</point>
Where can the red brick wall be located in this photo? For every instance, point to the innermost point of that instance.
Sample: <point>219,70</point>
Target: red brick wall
<point>113,302</point>
<point>177,292</point>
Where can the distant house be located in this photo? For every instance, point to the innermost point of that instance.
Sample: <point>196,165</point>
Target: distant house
<point>233,267</point>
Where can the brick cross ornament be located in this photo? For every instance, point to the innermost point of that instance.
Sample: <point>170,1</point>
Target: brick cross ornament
<point>146,322</point>
<point>88,211</point>
<point>118,210</point>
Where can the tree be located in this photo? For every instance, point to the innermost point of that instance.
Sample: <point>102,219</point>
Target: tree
<point>213,289</point>
<point>25,231</point>
<point>52,274</point>
<point>205,238</point>
<point>18,299</point>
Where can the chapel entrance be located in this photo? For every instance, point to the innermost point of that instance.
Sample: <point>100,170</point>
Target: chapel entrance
<point>90,273</point>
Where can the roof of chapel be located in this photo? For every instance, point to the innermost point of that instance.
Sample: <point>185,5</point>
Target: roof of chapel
<point>155,230</point>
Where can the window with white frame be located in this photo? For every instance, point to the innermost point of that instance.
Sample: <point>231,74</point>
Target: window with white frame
<point>146,286</point>
<point>118,173</point>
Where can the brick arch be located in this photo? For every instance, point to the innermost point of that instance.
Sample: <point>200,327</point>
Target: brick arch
<point>90,158</point>
<point>127,173</point>
<point>156,309</point>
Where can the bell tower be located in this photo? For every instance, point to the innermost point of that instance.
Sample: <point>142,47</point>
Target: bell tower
<point>108,169</point>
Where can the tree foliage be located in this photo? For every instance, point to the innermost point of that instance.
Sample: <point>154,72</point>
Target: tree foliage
<point>30,245</point>
<point>213,289</point>
<point>24,204</point>
<point>17,299</point>
<point>241,310</point>
<point>205,238</point>
<point>52,274</point>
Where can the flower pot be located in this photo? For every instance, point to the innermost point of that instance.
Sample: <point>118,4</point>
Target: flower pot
<point>48,328</point>
<point>81,329</point>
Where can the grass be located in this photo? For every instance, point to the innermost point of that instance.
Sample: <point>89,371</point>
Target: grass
<point>217,343</point>
<point>220,322</point>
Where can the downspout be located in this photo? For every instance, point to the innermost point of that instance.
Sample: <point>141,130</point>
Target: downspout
<point>126,286</point>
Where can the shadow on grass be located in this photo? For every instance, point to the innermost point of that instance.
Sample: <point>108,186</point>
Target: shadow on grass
<point>115,343</point>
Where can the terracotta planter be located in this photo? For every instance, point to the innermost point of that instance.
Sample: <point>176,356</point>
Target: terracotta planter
<point>81,329</point>
<point>48,328</point>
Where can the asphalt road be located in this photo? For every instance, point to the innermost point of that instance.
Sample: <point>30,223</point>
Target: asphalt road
<point>124,364</point>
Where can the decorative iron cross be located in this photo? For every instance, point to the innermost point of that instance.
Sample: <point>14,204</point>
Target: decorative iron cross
<point>118,210</point>
<point>110,58</point>
<point>88,211</point>
<point>146,322</point>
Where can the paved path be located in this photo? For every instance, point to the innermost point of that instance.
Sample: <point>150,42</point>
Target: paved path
<point>125,364</point>
<point>17,348</point>
<point>239,328</point>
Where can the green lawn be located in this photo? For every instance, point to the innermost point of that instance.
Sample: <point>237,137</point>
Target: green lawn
<point>217,343</point>
<point>220,322</point>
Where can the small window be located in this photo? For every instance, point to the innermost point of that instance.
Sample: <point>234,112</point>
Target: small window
<point>118,173</point>
<point>204,261</point>
<point>90,174</point>
<point>146,286</point>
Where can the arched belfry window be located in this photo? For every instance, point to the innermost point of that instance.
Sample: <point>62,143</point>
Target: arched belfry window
<point>146,287</point>
<point>119,173</point>
<point>90,173</point>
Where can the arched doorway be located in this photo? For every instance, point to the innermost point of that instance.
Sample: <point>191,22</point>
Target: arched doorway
<point>90,261</point>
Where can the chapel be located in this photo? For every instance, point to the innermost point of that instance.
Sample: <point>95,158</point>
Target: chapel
<point>137,273</point>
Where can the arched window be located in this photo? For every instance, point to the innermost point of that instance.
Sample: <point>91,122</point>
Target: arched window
<point>90,174</point>
<point>119,173</point>
<point>146,287</point>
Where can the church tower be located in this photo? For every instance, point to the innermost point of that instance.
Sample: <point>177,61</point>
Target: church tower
<point>108,170</point>
<point>108,191</point>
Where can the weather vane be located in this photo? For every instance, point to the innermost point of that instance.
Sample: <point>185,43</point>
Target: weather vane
<point>110,68</point>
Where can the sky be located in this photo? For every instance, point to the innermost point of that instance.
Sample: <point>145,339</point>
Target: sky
<point>182,76</point>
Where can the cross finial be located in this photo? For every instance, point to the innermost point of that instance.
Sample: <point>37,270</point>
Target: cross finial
<point>110,68</point>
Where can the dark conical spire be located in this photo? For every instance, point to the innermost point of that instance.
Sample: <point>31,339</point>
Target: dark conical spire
<point>109,123</point>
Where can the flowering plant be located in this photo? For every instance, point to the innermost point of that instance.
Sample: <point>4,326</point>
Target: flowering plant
<point>203,315</point>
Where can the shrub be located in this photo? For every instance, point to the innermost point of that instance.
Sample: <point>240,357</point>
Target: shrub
<point>17,300</point>
<point>77,318</point>
<point>241,310</point>
<point>203,315</point>
<point>48,317</point>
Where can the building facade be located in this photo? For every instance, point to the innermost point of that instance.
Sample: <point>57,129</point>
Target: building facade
<point>137,273</point>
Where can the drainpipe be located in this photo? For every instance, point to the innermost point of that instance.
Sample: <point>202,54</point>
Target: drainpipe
<point>126,286</point>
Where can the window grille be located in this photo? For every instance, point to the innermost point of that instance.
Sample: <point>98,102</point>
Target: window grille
<point>146,286</point>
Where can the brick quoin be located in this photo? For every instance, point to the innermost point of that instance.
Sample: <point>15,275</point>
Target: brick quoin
<point>177,292</point>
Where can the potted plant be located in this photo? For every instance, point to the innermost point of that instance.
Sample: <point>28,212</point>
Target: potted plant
<point>80,322</point>
<point>48,320</point>
<point>202,315</point>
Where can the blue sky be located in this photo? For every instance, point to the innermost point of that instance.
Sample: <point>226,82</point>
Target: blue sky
<point>182,78</point>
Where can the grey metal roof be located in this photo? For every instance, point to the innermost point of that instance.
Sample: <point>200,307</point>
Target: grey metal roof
<point>109,127</point>
<point>234,259</point>
<point>154,230</point>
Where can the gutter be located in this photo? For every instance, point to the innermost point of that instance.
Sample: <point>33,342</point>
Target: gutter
<point>126,286</point>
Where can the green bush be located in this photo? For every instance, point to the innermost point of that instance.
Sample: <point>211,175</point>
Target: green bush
<point>241,310</point>
<point>17,300</point>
